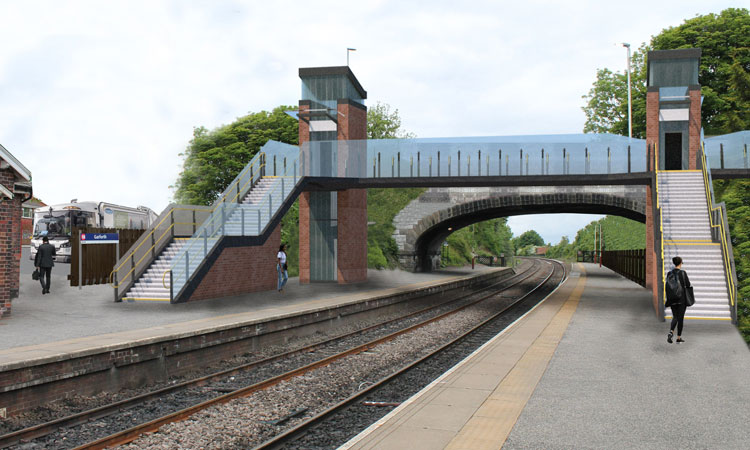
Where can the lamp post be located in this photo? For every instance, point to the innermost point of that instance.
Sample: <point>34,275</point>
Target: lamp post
<point>347,54</point>
<point>630,100</point>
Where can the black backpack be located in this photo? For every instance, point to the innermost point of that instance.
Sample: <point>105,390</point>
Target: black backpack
<point>675,291</point>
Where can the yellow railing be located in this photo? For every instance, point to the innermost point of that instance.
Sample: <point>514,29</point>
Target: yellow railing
<point>661,223</point>
<point>249,180</point>
<point>720,226</point>
<point>260,205</point>
<point>148,250</point>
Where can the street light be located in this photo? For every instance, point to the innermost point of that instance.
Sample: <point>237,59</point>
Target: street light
<point>347,54</point>
<point>630,99</point>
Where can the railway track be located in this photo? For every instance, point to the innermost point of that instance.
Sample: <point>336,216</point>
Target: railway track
<point>322,425</point>
<point>85,428</point>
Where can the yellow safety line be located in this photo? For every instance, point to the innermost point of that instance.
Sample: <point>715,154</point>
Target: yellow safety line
<point>691,243</point>
<point>149,299</point>
<point>669,316</point>
<point>491,424</point>
<point>681,171</point>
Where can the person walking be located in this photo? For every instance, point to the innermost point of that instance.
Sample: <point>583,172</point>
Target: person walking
<point>281,267</point>
<point>44,261</point>
<point>678,303</point>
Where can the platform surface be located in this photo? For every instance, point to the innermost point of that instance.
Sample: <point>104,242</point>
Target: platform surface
<point>588,368</point>
<point>71,320</point>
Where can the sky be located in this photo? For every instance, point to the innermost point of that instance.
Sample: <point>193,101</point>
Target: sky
<point>98,99</point>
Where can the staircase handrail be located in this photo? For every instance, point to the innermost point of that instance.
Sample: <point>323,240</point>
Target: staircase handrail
<point>168,214</point>
<point>217,230</point>
<point>660,228</point>
<point>257,159</point>
<point>720,223</point>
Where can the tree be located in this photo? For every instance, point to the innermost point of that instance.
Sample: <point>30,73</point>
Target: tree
<point>213,158</point>
<point>607,102</point>
<point>528,238</point>
<point>382,123</point>
<point>724,39</point>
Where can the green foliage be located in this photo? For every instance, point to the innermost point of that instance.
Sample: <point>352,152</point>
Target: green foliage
<point>382,123</point>
<point>736,195</point>
<point>619,234</point>
<point>528,239</point>
<point>214,158</point>
<point>382,206</point>
<point>488,238</point>
<point>725,41</point>
<point>290,237</point>
<point>724,77</point>
<point>607,102</point>
<point>562,250</point>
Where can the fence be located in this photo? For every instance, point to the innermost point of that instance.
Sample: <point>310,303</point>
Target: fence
<point>98,260</point>
<point>631,264</point>
<point>591,256</point>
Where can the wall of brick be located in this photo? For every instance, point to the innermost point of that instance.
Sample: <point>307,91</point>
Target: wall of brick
<point>694,127</point>
<point>352,235</point>
<point>352,204</point>
<point>304,237</point>
<point>239,270</point>
<point>10,243</point>
<point>652,119</point>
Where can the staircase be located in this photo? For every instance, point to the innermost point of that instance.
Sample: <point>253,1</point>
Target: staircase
<point>154,286</point>
<point>150,285</point>
<point>259,191</point>
<point>687,234</point>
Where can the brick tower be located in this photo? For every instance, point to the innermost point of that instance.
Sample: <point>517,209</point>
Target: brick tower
<point>332,225</point>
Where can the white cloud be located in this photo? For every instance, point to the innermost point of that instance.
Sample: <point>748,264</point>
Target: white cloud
<point>99,98</point>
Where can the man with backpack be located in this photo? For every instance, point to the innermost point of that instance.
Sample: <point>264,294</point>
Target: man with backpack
<point>679,297</point>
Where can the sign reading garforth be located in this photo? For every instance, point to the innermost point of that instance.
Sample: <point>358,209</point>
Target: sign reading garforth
<point>99,238</point>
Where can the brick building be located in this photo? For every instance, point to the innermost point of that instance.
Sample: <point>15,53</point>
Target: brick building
<point>15,188</point>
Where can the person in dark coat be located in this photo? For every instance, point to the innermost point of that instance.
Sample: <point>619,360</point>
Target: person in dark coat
<point>678,305</point>
<point>44,262</point>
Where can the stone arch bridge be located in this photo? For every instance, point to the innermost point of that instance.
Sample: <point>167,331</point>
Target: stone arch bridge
<point>427,221</point>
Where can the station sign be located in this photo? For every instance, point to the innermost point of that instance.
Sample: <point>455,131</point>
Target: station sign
<point>100,238</point>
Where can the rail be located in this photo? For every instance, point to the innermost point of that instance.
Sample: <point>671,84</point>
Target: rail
<point>660,228</point>
<point>230,218</point>
<point>255,166</point>
<point>115,283</point>
<point>717,217</point>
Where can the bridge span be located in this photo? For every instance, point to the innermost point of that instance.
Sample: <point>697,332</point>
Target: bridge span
<point>334,164</point>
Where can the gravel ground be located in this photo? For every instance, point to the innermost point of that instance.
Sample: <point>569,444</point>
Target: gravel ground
<point>66,438</point>
<point>247,422</point>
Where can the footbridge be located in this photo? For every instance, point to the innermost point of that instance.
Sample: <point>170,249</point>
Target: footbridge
<point>428,220</point>
<point>195,253</point>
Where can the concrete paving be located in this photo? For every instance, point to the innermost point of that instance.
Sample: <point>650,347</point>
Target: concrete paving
<point>615,382</point>
<point>589,368</point>
<point>69,313</point>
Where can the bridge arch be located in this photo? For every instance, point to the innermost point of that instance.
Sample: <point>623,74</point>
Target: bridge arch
<point>426,222</point>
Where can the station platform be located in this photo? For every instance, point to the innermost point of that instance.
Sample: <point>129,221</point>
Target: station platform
<point>80,342</point>
<point>72,313</point>
<point>590,367</point>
